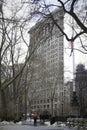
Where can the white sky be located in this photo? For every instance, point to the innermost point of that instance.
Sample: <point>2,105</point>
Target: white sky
<point>78,56</point>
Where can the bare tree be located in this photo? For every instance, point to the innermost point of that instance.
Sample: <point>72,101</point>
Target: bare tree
<point>72,9</point>
<point>13,28</point>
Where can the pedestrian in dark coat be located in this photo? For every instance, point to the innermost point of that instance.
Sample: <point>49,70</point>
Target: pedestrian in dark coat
<point>35,117</point>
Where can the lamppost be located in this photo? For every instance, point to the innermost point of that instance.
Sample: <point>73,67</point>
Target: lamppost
<point>62,108</point>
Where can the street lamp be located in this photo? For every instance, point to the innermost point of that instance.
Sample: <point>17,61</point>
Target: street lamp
<point>62,108</point>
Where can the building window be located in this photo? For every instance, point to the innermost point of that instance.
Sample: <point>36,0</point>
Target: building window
<point>47,106</point>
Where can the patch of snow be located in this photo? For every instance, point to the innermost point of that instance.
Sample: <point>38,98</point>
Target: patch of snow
<point>47,123</point>
<point>63,125</point>
<point>19,123</point>
<point>4,123</point>
<point>58,124</point>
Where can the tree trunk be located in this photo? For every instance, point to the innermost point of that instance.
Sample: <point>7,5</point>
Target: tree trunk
<point>52,107</point>
<point>3,111</point>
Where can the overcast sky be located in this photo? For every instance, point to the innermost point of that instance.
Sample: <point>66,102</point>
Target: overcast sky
<point>79,58</point>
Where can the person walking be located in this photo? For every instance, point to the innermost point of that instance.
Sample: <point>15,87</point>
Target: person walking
<point>35,117</point>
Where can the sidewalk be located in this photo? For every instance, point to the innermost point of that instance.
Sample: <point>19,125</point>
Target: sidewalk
<point>31,122</point>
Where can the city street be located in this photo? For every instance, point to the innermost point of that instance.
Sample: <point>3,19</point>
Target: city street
<point>28,127</point>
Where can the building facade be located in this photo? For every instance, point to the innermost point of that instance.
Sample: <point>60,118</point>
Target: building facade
<point>47,65</point>
<point>81,89</point>
<point>68,93</point>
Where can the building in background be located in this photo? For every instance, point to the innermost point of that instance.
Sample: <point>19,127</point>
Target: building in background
<point>81,89</point>
<point>47,65</point>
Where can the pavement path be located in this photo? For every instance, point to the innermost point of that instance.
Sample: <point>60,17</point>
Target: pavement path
<point>28,127</point>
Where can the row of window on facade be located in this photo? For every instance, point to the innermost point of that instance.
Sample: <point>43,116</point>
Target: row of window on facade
<point>40,107</point>
<point>43,101</point>
<point>42,31</point>
<point>47,28</point>
<point>50,43</point>
<point>48,52</point>
<point>43,106</point>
